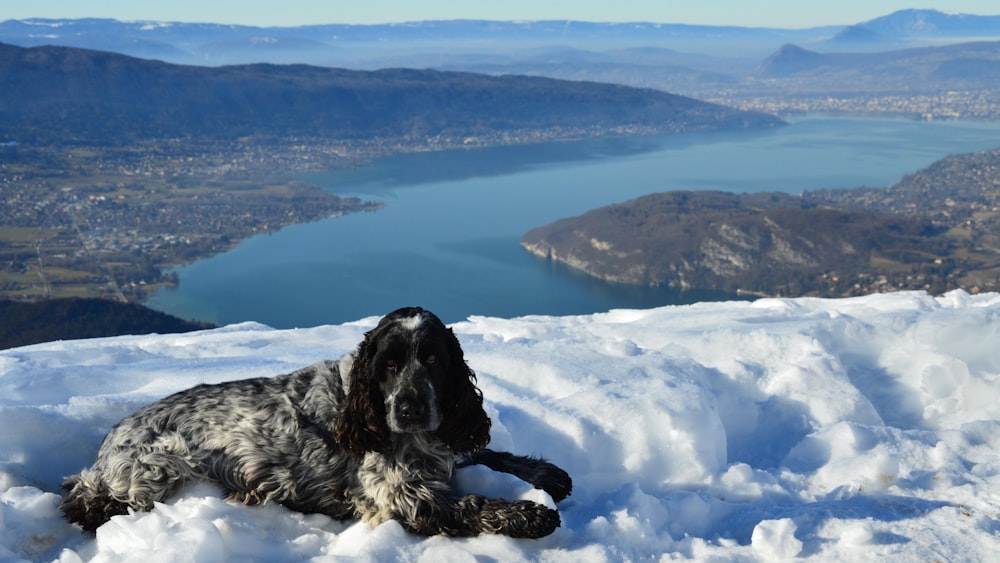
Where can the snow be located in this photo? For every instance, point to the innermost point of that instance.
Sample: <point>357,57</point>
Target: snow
<point>778,429</point>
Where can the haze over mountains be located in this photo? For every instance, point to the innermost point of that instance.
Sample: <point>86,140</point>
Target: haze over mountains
<point>832,69</point>
<point>359,45</point>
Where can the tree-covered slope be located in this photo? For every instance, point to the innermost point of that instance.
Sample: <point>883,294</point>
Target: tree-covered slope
<point>59,94</point>
<point>70,319</point>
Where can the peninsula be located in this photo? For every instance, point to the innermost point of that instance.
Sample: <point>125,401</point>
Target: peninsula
<point>937,229</point>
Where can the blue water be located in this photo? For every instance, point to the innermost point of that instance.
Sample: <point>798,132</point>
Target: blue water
<point>447,238</point>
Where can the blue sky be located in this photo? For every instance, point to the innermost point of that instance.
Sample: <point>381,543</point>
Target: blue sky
<point>760,13</point>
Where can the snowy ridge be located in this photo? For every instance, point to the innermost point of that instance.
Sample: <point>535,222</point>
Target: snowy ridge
<point>832,429</point>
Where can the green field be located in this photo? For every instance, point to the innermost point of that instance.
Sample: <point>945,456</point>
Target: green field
<point>25,235</point>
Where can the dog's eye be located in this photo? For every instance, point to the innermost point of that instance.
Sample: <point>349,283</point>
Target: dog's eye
<point>390,364</point>
<point>431,360</point>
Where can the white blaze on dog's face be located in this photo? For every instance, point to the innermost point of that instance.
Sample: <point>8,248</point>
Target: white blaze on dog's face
<point>410,362</point>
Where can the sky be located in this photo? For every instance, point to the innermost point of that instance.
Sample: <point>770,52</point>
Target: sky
<point>773,13</point>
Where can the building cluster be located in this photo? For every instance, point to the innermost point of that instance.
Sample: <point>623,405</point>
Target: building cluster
<point>972,105</point>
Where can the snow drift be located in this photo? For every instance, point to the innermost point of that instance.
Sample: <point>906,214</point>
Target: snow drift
<point>865,427</point>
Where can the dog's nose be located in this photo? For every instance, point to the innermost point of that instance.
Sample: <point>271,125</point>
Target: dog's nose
<point>411,410</point>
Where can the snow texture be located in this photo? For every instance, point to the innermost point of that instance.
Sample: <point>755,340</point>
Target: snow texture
<point>863,428</point>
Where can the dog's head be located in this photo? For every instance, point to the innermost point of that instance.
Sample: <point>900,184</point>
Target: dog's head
<point>409,375</point>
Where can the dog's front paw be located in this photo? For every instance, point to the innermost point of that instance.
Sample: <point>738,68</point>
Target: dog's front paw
<point>556,482</point>
<point>539,521</point>
<point>519,519</point>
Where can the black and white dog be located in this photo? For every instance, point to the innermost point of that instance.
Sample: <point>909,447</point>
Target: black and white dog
<point>375,435</point>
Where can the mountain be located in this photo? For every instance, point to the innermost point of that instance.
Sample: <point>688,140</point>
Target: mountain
<point>71,319</point>
<point>768,243</point>
<point>792,59</point>
<point>911,28</point>
<point>936,229</point>
<point>348,45</point>
<point>714,63</point>
<point>864,429</point>
<point>858,36</point>
<point>973,65</point>
<point>916,23</point>
<point>372,46</point>
<point>65,94</point>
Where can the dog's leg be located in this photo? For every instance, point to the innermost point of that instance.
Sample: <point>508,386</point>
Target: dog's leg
<point>518,519</point>
<point>127,479</point>
<point>540,473</point>
<point>476,514</point>
<point>88,502</point>
<point>472,515</point>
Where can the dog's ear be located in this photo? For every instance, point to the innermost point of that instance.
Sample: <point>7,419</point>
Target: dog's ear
<point>361,424</point>
<point>465,426</point>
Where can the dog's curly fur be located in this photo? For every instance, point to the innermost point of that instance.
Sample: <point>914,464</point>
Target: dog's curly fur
<point>375,435</point>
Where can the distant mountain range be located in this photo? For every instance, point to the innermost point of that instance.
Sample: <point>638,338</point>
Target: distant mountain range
<point>346,45</point>
<point>367,46</point>
<point>740,66</point>
<point>61,94</point>
<point>932,23</point>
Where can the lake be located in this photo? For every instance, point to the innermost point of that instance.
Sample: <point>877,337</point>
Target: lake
<point>447,238</point>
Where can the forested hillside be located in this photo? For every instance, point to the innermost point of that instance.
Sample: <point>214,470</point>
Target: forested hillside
<point>70,319</point>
